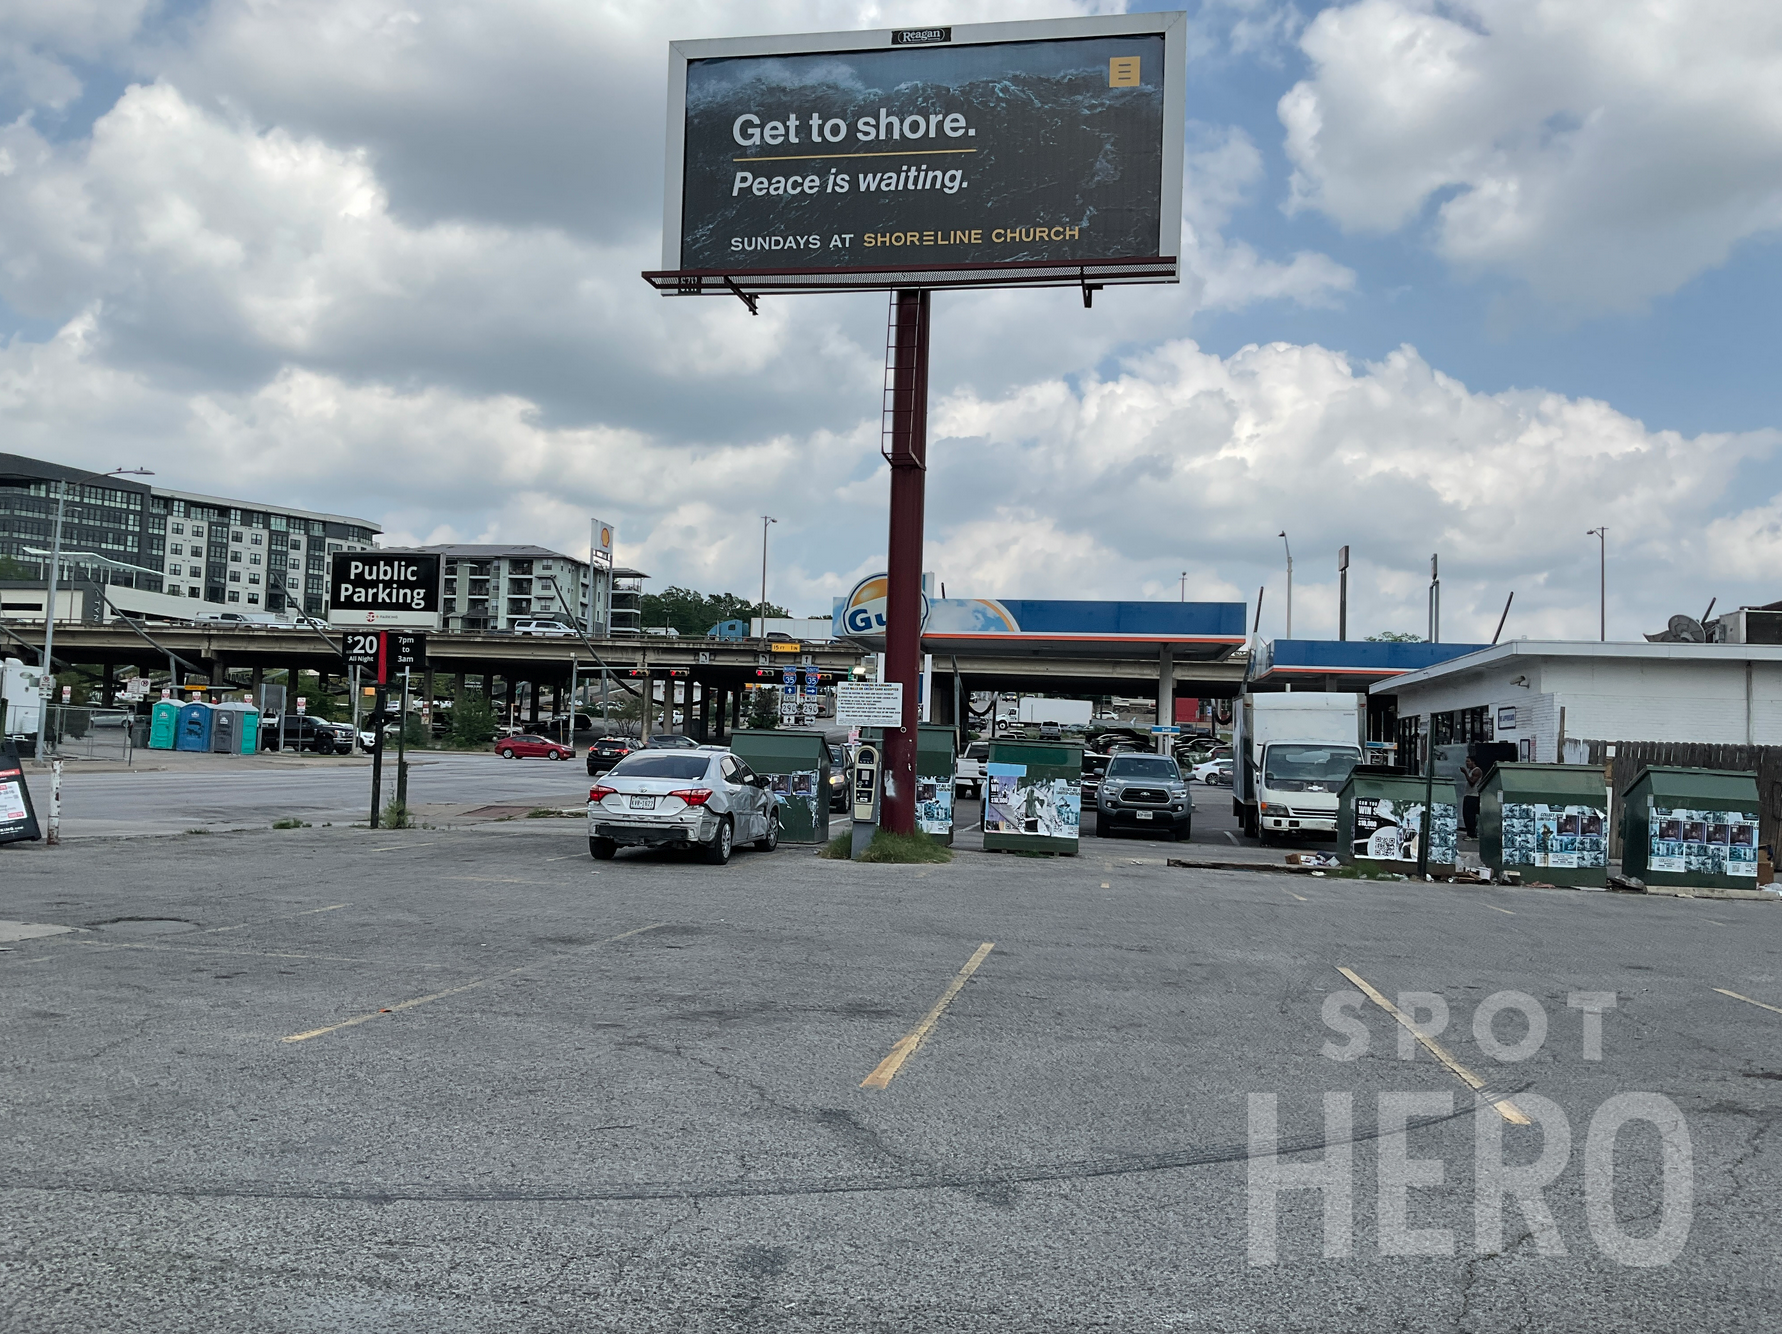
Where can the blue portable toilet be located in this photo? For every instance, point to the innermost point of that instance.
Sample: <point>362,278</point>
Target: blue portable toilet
<point>194,727</point>
<point>164,724</point>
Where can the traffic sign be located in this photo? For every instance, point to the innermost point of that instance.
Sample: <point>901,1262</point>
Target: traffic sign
<point>1166,731</point>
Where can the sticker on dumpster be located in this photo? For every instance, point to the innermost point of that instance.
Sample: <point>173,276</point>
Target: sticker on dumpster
<point>1006,770</point>
<point>1685,841</point>
<point>1561,837</point>
<point>1042,807</point>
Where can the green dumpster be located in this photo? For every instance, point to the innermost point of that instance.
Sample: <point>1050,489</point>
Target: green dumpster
<point>1380,820</point>
<point>1547,821</point>
<point>795,763</point>
<point>1033,796</point>
<point>164,724</point>
<point>1695,828</point>
<point>935,767</point>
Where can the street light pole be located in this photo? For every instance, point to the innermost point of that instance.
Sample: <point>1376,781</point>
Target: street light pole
<point>765,520</point>
<point>1184,597</point>
<point>49,611</point>
<point>1602,580</point>
<point>1289,549</point>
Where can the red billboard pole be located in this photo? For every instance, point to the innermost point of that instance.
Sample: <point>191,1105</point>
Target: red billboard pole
<point>907,454</point>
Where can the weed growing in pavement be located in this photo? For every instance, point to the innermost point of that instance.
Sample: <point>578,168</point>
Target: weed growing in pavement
<point>290,823</point>
<point>396,816</point>
<point>838,849</point>
<point>904,848</point>
<point>197,831</point>
<point>551,813</point>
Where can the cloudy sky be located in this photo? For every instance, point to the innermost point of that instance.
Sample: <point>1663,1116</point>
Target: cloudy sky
<point>1466,278</point>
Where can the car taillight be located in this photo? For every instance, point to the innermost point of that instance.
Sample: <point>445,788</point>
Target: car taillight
<point>600,793</point>
<point>694,796</point>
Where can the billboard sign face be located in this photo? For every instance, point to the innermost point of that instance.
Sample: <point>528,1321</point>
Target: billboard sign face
<point>976,155</point>
<point>384,588</point>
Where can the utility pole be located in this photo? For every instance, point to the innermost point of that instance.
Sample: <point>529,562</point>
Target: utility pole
<point>1602,584</point>
<point>1285,543</point>
<point>46,677</point>
<point>1435,602</point>
<point>1184,597</point>
<point>1342,593</point>
<point>765,520</point>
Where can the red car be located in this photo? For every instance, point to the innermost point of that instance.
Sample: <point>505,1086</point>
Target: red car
<point>532,748</point>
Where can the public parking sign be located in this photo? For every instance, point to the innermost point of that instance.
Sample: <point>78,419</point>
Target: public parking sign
<point>384,588</point>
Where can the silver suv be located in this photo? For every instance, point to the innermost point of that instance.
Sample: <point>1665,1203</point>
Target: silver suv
<point>1144,792</point>
<point>705,798</point>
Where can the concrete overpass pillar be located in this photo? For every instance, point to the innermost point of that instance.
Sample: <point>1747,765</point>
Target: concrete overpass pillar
<point>108,688</point>
<point>705,711</point>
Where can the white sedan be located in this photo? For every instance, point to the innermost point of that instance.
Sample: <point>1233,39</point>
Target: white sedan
<point>706,798</point>
<point>1211,771</point>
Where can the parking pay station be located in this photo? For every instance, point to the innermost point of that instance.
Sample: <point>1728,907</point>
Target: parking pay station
<point>866,798</point>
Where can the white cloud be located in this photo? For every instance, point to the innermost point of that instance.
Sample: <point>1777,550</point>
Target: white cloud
<point>1603,152</point>
<point>38,39</point>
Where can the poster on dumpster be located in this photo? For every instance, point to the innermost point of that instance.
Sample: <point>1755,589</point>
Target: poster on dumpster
<point>796,796</point>
<point>1044,807</point>
<point>1388,831</point>
<point>1684,841</point>
<point>934,806</point>
<point>1563,837</point>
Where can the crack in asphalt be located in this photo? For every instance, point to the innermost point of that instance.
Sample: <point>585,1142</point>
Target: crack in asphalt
<point>914,1178</point>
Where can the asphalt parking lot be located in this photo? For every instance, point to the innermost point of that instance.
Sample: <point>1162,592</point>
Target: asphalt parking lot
<point>468,1079</point>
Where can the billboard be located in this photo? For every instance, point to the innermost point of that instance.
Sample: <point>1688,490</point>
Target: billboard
<point>384,588</point>
<point>989,154</point>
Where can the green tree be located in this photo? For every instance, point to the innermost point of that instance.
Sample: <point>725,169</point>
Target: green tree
<point>473,721</point>
<point>1395,637</point>
<point>693,613</point>
<point>17,569</point>
<point>764,708</point>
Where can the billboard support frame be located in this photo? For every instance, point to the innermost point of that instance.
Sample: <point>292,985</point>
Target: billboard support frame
<point>912,285</point>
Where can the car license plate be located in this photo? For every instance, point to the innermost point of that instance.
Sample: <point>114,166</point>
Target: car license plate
<point>643,803</point>
<point>1145,815</point>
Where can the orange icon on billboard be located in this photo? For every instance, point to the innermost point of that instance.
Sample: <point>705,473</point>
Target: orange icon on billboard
<point>1123,72</point>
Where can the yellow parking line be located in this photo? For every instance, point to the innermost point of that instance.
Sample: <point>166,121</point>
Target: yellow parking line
<point>1505,1108</point>
<point>906,1045</point>
<point>451,991</point>
<point>1759,1004</point>
<point>1301,897</point>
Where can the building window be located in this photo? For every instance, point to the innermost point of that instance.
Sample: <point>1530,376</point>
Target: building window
<point>253,577</point>
<point>294,542</point>
<point>191,592</point>
<point>179,549</point>
<point>253,558</point>
<point>296,562</point>
<point>256,537</point>
<point>235,556</point>
<point>197,530</point>
<point>451,604</point>
<point>235,576</point>
<point>519,567</point>
<point>254,598</point>
<point>177,528</point>
<point>234,595</point>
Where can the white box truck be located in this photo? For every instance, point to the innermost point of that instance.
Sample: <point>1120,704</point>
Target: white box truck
<point>1292,753</point>
<point>23,704</point>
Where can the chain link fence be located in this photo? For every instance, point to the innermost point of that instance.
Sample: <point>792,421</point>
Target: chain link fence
<point>89,734</point>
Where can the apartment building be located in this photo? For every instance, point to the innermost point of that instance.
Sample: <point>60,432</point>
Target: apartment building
<point>237,555</point>
<point>489,586</point>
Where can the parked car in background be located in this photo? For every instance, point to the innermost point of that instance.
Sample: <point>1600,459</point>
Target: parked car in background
<point>1202,772</point>
<point>555,629</point>
<point>299,731</point>
<point>368,737</point>
<point>968,772</point>
<point>604,752</point>
<point>671,741</point>
<point>1220,775</point>
<point>1094,768</point>
<point>705,798</point>
<point>529,747</point>
<point>840,768</point>
<point>1144,792</point>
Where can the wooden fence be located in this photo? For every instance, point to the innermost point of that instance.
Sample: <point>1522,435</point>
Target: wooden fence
<point>1633,758</point>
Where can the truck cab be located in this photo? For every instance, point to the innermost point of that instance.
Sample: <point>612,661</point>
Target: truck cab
<point>1292,752</point>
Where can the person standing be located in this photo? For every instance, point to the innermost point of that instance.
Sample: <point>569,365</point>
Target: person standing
<point>1469,804</point>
